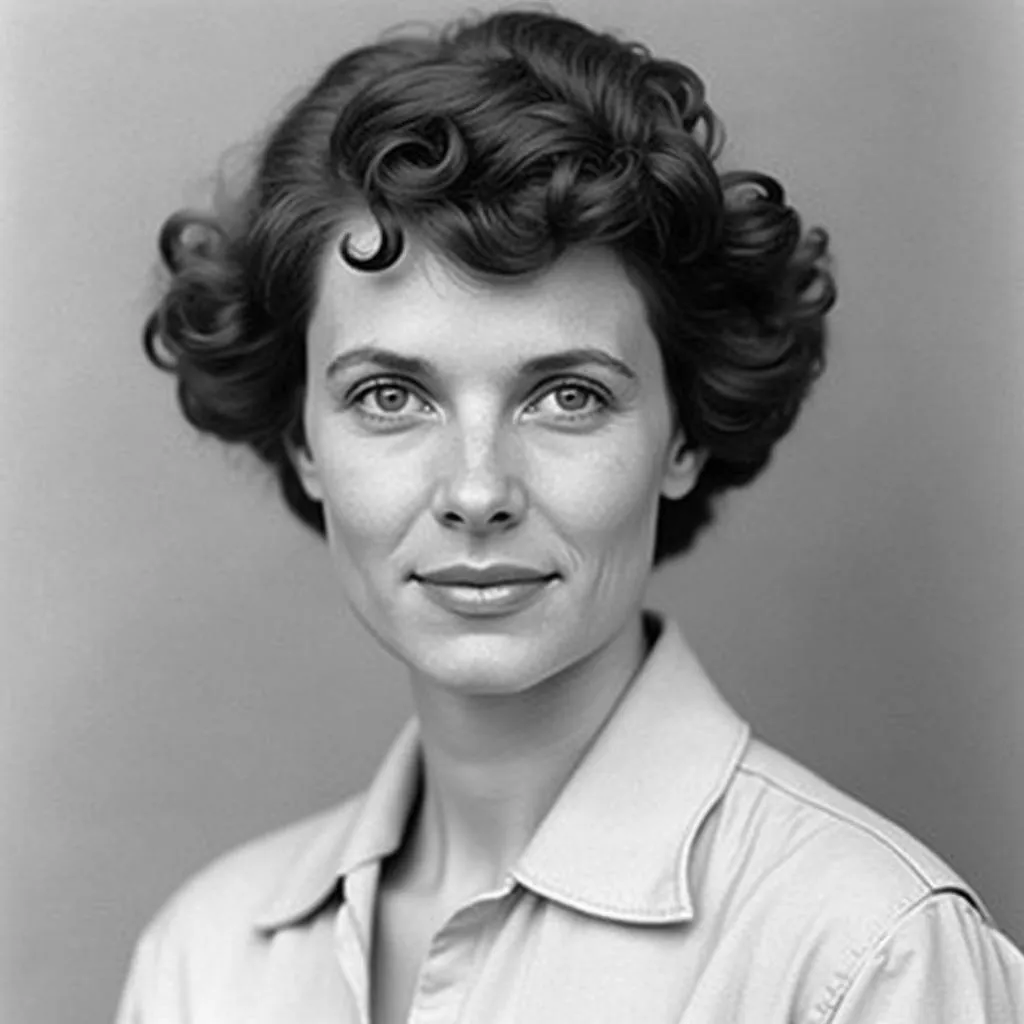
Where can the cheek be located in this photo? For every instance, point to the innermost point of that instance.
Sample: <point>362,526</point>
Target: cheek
<point>604,497</point>
<point>368,504</point>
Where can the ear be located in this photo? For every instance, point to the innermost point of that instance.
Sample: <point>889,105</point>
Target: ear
<point>306,469</point>
<point>301,457</point>
<point>682,469</point>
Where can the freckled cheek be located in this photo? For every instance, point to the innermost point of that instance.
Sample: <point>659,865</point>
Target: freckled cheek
<point>599,498</point>
<point>370,503</point>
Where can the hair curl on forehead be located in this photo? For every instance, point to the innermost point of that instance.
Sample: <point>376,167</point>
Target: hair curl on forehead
<point>503,149</point>
<point>501,143</point>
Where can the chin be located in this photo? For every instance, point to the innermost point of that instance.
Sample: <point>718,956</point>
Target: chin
<point>485,664</point>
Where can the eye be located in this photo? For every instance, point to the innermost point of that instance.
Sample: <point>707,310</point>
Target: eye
<point>571,400</point>
<point>388,399</point>
<point>391,398</point>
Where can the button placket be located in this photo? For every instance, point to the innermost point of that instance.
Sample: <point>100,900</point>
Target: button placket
<point>447,972</point>
<point>352,935</point>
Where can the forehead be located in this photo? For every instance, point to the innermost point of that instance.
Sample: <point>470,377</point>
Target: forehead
<point>423,302</point>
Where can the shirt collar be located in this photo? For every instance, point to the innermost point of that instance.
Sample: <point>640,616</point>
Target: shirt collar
<point>349,837</point>
<point>618,840</point>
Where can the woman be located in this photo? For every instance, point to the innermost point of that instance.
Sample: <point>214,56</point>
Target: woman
<point>504,333</point>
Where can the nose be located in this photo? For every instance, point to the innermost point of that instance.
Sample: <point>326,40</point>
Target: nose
<point>477,491</point>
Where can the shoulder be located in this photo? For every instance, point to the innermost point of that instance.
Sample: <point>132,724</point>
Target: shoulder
<point>822,878</point>
<point>939,963</point>
<point>232,893</point>
<point>804,817</point>
<point>207,938</point>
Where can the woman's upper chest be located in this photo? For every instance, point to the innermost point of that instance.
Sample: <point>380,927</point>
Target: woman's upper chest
<point>516,957</point>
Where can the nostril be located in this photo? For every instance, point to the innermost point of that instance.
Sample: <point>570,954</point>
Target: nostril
<point>478,509</point>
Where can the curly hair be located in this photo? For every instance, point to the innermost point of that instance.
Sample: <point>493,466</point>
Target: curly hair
<point>501,142</point>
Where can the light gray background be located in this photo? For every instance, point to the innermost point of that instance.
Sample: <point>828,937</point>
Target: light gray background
<point>179,672</point>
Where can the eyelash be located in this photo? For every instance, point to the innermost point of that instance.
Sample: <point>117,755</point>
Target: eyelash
<point>375,387</point>
<point>603,399</point>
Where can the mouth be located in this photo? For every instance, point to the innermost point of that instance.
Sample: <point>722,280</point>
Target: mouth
<point>488,591</point>
<point>483,576</point>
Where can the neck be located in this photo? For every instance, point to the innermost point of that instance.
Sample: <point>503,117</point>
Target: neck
<point>493,765</point>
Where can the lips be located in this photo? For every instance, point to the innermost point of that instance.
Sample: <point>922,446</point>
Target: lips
<point>484,591</point>
<point>496,574</point>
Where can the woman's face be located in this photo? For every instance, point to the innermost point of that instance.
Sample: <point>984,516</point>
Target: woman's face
<point>456,427</point>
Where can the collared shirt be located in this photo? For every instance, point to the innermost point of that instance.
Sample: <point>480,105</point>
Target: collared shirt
<point>687,874</point>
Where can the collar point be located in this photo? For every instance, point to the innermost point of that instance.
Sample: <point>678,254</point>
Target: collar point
<point>676,908</point>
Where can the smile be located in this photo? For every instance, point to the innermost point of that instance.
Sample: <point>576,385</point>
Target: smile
<point>489,599</point>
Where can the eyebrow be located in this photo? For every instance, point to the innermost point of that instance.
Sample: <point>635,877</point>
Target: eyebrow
<point>556,362</point>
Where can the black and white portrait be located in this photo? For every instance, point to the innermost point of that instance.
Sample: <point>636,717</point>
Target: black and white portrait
<point>512,513</point>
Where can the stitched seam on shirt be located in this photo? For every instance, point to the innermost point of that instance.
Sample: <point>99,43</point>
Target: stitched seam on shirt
<point>586,906</point>
<point>832,812</point>
<point>711,800</point>
<point>689,833</point>
<point>857,959</point>
<point>824,1010</point>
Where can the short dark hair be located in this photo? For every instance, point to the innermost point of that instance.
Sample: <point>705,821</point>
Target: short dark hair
<point>501,142</point>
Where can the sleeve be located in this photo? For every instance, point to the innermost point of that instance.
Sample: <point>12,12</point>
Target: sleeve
<point>149,995</point>
<point>941,963</point>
